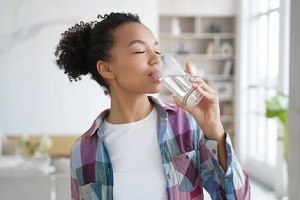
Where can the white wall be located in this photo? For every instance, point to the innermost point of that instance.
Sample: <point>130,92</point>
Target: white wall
<point>35,96</point>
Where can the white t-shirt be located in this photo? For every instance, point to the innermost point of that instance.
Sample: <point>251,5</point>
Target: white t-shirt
<point>136,159</point>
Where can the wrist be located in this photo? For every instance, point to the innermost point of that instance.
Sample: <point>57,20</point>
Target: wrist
<point>216,133</point>
<point>221,139</point>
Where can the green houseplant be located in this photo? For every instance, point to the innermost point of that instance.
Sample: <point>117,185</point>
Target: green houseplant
<point>277,107</point>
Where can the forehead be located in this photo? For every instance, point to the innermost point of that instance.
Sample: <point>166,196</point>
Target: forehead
<point>133,31</point>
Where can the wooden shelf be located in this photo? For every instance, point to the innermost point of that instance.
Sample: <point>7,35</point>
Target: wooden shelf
<point>204,56</point>
<point>207,42</point>
<point>219,77</point>
<point>197,36</point>
<point>226,118</point>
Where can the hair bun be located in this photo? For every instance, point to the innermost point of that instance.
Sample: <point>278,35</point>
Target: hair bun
<point>72,50</point>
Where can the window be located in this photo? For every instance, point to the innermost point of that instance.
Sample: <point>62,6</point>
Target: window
<point>263,72</point>
<point>266,68</point>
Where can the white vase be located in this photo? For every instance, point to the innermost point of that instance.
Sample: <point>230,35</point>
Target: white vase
<point>281,178</point>
<point>175,27</point>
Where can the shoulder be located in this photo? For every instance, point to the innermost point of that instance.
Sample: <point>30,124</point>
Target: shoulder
<point>87,141</point>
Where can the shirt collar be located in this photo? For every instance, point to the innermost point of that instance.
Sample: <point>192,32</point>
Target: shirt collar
<point>161,107</point>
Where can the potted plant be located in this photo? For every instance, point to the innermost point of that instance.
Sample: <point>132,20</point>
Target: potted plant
<point>277,107</point>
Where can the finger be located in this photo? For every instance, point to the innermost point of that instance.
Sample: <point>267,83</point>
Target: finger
<point>204,89</point>
<point>189,69</point>
<point>196,79</point>
<point>198,82</point>
<point>206,94</point>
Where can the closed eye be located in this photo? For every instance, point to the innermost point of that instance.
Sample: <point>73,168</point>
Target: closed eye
<point>138,52</point>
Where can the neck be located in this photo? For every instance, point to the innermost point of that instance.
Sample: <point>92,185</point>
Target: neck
<point>130,108</point>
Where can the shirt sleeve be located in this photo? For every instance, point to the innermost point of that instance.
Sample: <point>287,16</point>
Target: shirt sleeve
<point>232,184</point>
<point>74,183</point>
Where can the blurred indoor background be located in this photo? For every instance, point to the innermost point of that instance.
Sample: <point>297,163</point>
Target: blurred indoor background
<point>247,50</point>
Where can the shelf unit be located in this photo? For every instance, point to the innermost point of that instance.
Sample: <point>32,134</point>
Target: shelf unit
<point>207,43</point>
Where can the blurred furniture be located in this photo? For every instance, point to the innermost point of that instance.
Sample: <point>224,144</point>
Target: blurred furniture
<point>62,182</point>
<point>61,143</point>
<point>62,186</point>
<point>39,177</point>
<point>24,179</point>
<point>7,147</point>
<point>33,187</point>
<point>34,178</point>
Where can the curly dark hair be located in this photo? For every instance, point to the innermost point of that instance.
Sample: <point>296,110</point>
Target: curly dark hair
<point>84,44</point>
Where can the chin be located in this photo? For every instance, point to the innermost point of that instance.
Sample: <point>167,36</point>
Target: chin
<point>153,92</point>
<point>151,89</point>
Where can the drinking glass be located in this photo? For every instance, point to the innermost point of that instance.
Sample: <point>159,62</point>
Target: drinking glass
<point>175,79</point>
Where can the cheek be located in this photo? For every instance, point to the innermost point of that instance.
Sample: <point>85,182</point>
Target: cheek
<point>130,69</point>
<point>125,71</point>
<point>127,76</point>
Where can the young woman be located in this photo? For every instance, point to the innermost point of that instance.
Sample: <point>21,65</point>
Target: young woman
<point>143,148</point>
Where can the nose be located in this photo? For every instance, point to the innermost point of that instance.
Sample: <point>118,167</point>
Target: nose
<point>155,63</point>
<point>155,60</point>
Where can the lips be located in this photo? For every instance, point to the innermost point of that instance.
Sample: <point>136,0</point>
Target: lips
<point>155,75</point>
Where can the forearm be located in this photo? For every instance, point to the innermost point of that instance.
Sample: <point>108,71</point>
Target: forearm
<point>218,134</point>
<point>233,180</point>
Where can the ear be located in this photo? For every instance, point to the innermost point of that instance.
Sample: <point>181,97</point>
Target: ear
<point>104,70</point>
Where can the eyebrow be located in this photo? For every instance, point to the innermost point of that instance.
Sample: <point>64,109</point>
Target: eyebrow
<point>139,42</point>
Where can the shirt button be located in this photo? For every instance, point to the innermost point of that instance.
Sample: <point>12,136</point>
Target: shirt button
<point>226,179</point>
<point>168,176</point>
<point>214,151</point>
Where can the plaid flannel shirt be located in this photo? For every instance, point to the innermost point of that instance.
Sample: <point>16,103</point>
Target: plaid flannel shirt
<point>189,161</point>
